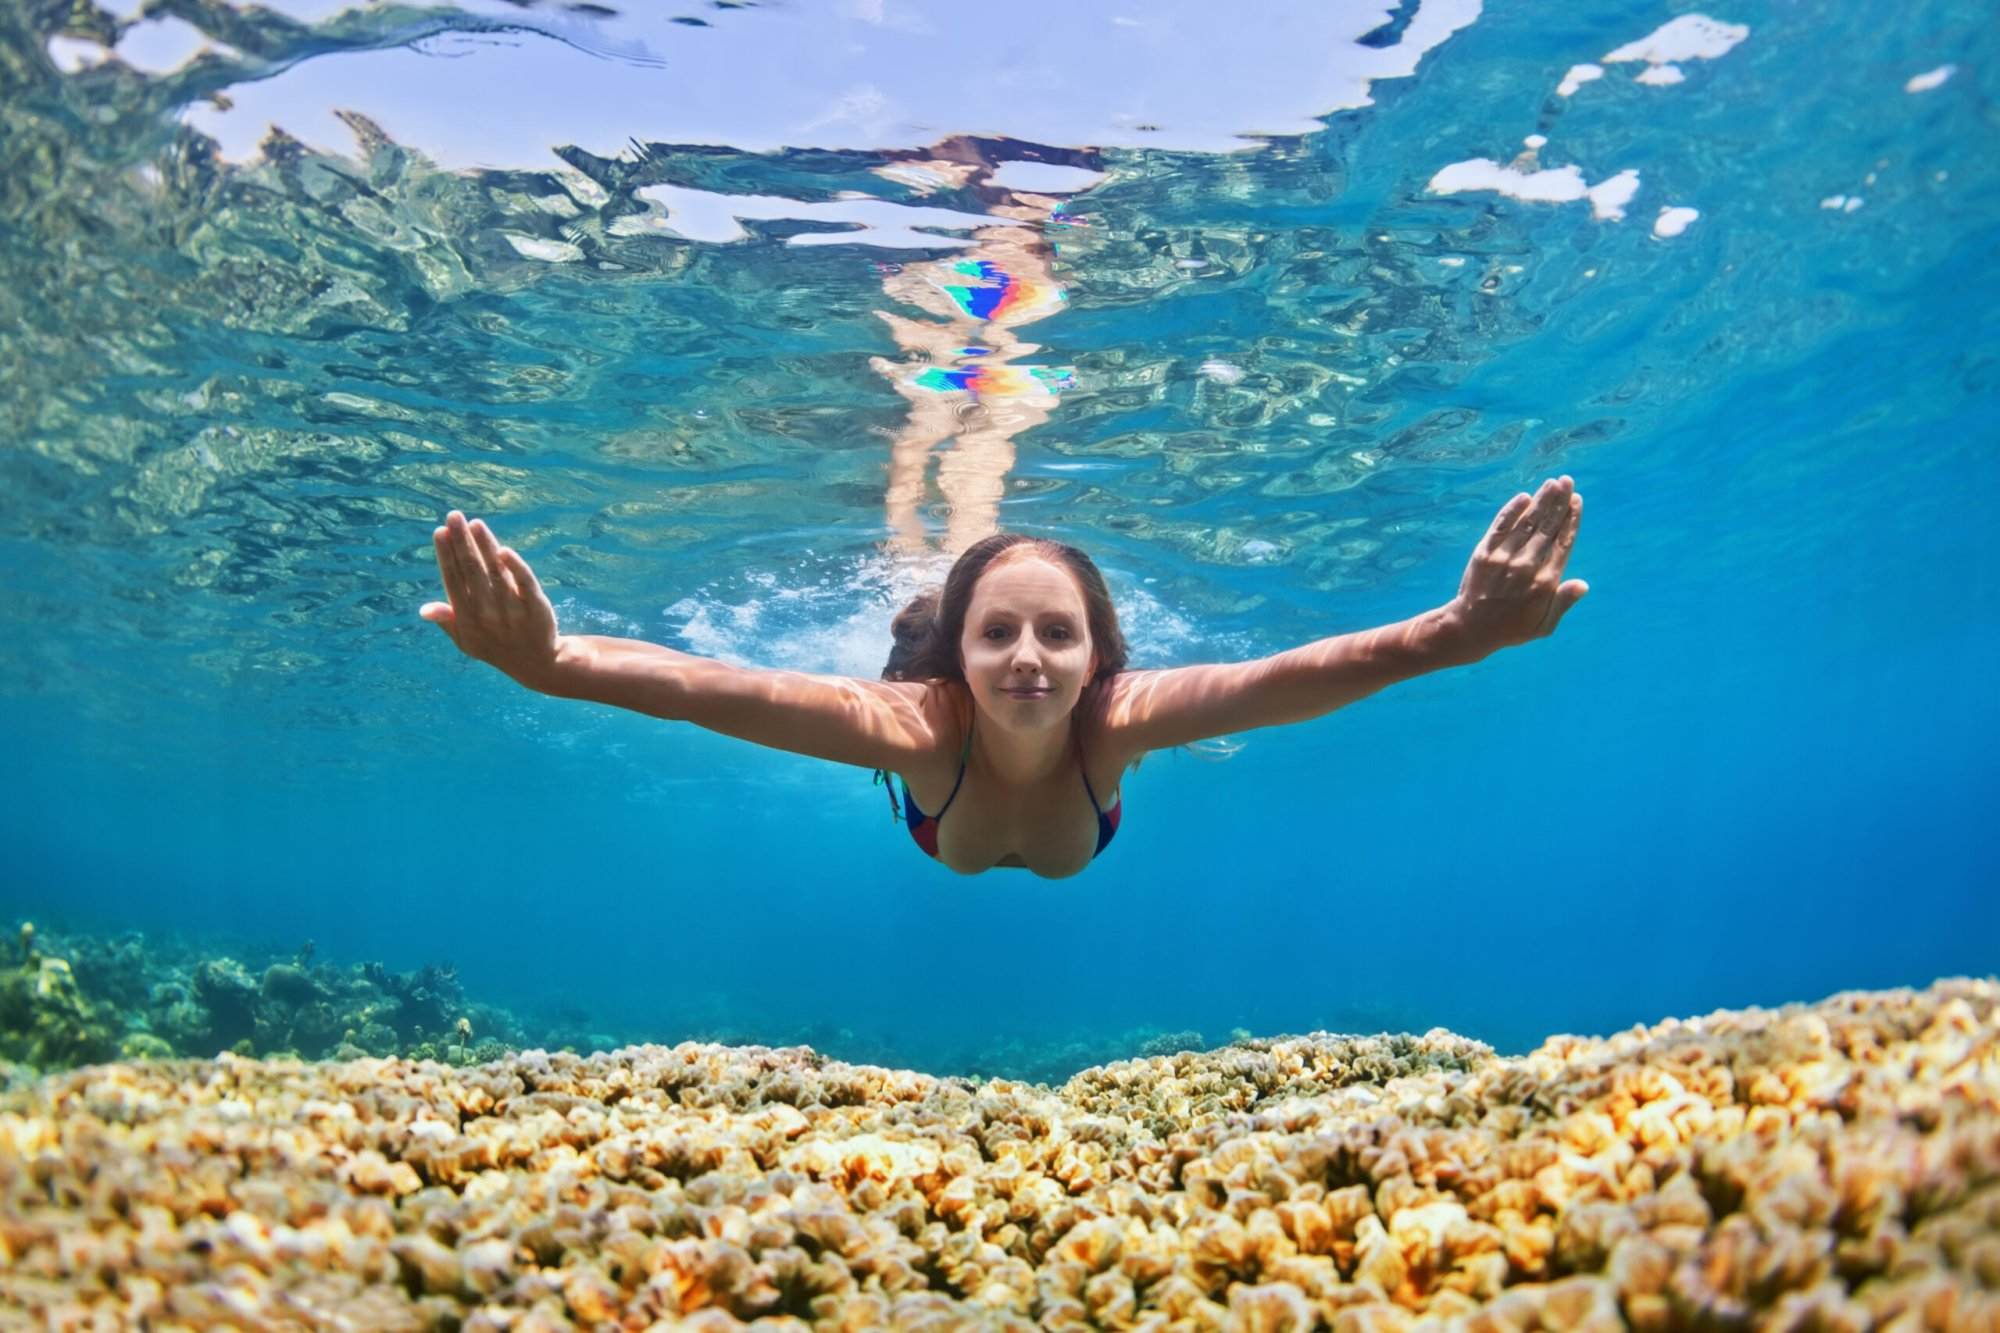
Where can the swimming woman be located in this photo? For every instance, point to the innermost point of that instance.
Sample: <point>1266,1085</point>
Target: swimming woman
<point>1006,705</point>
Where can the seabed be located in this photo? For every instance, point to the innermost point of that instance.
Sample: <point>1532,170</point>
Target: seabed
<point>1828,1167</point>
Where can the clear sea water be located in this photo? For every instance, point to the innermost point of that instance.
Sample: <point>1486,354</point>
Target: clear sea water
<point>241,377</point>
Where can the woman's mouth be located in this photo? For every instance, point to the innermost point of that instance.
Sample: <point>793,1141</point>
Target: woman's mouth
<point>1028,692</point>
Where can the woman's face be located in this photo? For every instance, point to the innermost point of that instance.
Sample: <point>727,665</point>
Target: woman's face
<point>1026,644</point>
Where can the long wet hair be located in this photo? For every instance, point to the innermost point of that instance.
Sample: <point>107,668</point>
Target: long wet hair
<point>928,629</point>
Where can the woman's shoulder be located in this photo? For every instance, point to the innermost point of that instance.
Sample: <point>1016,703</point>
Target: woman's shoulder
<point>1098,714</point>
<point>1109,699</point>
<point>947,713</point>
<point>947,708</point>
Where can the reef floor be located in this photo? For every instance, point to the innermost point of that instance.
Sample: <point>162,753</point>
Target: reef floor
<point>1833,1166</point>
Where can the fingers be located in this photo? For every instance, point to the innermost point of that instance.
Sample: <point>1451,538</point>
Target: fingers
<point>488,547</point>
<point>1532,538</point>
<point>1568,595</point>
<point>448,567</point>
<point>534,602</point>
<point>476,578</point>
<point>1566,539</point>
<point>524,578</point>
<point>1503,523</point>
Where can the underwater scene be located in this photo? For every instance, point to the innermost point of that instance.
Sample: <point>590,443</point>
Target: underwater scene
<point>1484,823</point>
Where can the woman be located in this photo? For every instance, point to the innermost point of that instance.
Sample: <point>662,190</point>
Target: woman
<point>1007,704</point>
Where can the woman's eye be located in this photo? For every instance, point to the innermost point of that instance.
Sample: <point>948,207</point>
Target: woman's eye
<point>1058,631</point>
<point>997,633</point>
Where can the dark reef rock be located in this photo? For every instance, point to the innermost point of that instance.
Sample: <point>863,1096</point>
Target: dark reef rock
<point>228,998</point>
<point>289,984</point>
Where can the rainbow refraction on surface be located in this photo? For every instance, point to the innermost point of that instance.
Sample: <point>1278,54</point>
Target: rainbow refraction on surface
<point>1000,295</point>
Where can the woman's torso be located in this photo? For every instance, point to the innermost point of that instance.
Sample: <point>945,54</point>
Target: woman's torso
<point>1051,827</point>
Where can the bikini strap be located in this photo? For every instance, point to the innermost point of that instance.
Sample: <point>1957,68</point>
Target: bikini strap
<point>1091,794</point>
<point>887,781</point>
<point>1083,772</point>
<point>964,759</point>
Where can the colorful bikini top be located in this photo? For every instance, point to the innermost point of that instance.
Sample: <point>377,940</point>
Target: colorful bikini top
<point>924,828</point>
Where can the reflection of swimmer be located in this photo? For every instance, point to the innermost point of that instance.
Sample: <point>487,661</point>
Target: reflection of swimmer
<point>961,374</point>
<point>1006,705</point>
<point>990,292</point>
<point>987,382</point>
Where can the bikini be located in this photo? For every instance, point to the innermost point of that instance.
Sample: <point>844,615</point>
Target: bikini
<point>924,828</point>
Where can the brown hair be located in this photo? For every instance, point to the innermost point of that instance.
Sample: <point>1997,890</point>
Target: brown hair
<point>928,629</point>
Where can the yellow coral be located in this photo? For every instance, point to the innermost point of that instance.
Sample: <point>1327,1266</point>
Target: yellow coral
<point>1833,1168</point>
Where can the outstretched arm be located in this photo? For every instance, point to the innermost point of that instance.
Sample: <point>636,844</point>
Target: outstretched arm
<point>1513,591</point>
<point>498,613</point>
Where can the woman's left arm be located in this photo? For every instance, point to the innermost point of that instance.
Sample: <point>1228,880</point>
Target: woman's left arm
<point>1513,592</point>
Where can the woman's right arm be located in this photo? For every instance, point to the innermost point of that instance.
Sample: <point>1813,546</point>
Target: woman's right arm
<point>869,723</point>
<point>498,613</point>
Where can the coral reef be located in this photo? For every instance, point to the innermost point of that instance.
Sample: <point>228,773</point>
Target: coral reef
<point>1825,1167</point>
<point>73,999</point>
<point>140,997</point>
<point>44,1018</point>
<point>1171,1043</point>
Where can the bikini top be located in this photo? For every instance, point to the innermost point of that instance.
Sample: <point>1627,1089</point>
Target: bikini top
<point>924,828</point>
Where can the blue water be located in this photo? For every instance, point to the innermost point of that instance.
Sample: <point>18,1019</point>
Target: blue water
<point>1752,767</point>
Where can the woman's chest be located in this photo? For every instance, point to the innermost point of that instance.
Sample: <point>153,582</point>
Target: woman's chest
<point>1050,828</point>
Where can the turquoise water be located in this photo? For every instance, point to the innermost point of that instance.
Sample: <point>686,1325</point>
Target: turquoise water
<point>241,384</point>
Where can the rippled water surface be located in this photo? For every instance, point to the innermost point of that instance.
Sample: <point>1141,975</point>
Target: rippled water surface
<point>739,319</point>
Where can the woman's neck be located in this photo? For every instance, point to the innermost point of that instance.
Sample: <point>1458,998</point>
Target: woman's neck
<point>1020,758</point>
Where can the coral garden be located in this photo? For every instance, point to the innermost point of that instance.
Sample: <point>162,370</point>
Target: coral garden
<point>79,999</point>
<point>75,998</point>
<point>1828,1167</point>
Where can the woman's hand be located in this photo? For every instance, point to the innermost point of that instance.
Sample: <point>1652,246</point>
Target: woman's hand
<point>1514,590</point>
<point>497,612</point>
